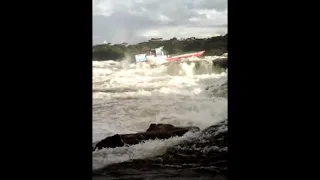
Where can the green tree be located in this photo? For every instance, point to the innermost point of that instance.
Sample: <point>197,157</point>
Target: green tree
<point>213,46</point>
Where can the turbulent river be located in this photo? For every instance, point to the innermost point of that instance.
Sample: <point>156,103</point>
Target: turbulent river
<point>127,98</point>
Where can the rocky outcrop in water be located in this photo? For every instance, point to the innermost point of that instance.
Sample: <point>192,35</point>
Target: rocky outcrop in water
<point>155,131</point>
<point>204,156</point>
<point>221,62</point>
<point>206,152</point>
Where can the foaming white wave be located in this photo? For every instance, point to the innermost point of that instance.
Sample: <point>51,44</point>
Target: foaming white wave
<point>147,149</point>
<point>104,64</point>
<point>127,98</point>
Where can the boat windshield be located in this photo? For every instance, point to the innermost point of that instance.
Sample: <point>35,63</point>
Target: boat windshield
<point>153,52</point>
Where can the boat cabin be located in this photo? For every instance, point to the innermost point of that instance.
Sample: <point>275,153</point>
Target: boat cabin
<point>156,55</point>
<point>157,51</point>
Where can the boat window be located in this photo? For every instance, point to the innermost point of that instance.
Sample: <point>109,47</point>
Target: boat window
<point>158,52</point>
<point>153,52</point>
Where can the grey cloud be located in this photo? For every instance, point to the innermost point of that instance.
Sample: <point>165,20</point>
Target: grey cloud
<point>219,25</point>
<point>220,5</point>
<point>128,20</point>
<point>119,27</point>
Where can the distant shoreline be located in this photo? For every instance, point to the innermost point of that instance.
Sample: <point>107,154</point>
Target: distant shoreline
<point>217,45</point>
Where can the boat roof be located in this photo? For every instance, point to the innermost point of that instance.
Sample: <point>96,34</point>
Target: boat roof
<point>159,48</point>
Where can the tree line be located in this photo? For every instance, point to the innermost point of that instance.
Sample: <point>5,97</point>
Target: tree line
<point>217,45</point>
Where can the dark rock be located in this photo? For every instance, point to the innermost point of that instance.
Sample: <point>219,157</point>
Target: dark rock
<point>221,62</point>
<point>205,156</point>
<point>111,141</point>
<point>160,127</point>
<point>155,131</point>
<point>169,127</point>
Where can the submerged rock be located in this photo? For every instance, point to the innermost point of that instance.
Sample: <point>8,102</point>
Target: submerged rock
<point>155,131</point>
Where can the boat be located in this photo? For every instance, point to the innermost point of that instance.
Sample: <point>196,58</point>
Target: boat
<point>157,56</point>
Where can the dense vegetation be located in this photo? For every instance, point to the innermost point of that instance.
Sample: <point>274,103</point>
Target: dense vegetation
<point>213,46</point>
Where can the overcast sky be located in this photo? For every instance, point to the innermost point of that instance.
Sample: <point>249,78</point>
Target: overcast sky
<point>133,21</point>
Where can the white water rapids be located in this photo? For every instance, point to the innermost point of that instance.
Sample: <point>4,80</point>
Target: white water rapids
<point>127,99</point>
